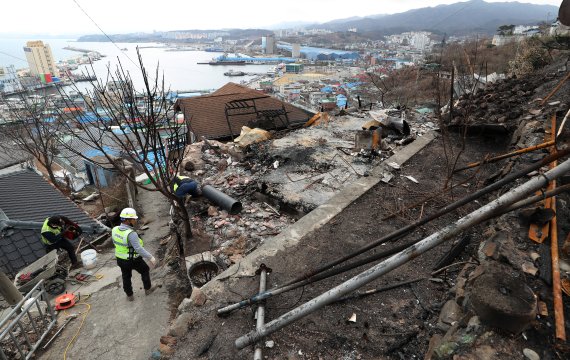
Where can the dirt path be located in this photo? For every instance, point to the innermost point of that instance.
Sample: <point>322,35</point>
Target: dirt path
<point>113,327</point>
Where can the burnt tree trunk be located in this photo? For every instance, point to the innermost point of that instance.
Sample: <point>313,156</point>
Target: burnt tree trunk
<point>186,234</point>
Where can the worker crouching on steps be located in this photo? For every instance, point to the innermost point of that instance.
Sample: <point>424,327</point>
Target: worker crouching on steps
<point>130,252</point>
<point>56,232</point>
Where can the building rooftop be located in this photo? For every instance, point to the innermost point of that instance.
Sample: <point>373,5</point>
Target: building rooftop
<point>206,114</point>
<point>26,200</point>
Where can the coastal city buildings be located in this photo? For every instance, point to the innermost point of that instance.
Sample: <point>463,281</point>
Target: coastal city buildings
<point>296,51</point>
<point>40,58</point>
<point>268,44</point>
<point>9,81</point>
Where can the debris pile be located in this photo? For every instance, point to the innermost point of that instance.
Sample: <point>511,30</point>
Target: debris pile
<point>501,106</point>
<point>507,287</point>
<point>281,176</point>
<point>502,287</point>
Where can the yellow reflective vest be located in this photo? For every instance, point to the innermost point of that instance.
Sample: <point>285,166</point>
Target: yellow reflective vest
<point>47,228</point>
<point>123,250</point>
<point>177,181</point>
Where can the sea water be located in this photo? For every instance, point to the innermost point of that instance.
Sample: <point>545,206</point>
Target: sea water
<point>180,69</point>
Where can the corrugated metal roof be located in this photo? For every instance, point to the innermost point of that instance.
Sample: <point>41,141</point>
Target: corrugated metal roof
<point>13,157</point>
<point>80,143</point>
<point>206,114</point>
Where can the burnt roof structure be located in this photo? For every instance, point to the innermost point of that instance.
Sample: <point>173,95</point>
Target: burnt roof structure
<point>26,200</point>
<point>208,115</point>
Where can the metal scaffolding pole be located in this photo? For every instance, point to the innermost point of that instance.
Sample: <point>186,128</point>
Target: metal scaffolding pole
<point>395,235</point>
<point>258,354</point>
<point>403,257</point>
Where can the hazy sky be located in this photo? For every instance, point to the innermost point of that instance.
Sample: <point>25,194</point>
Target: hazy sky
<point>123,16</point>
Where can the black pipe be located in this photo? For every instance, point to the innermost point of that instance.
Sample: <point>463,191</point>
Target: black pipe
<point>226,202</point>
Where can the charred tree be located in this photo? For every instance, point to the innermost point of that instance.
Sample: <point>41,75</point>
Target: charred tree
<point>133,129</point>
<point>34,130</point>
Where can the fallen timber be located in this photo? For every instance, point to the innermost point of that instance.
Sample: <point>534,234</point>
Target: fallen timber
<point>313,275</point>
<point>556,282</point>
<point>506,156</point>
<point>403,257</point>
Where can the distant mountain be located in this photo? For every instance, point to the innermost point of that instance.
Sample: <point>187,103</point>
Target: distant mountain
<point>459,18</point>
<point>290,25</point>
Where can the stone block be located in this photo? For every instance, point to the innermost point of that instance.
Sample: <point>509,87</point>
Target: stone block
<point>185,305</point>
<point>181,325</point>
<point>198,298</point>
<point>502,299</point>
<point>168,340</point>
<point>449,315</point>
<point>165,349</point>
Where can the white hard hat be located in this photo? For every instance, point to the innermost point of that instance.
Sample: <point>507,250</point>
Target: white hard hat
<point>129,213</point>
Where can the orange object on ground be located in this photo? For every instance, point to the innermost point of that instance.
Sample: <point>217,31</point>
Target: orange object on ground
<point>536,232</point>
<point>65,301</point>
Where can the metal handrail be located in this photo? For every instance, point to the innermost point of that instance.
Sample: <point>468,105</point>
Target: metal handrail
<point>18,312</point>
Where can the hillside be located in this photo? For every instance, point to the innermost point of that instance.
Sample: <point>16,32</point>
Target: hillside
<point>459,18</point>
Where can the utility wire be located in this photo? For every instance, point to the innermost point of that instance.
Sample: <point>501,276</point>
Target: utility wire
<point>104,33</point>
<point>15,57</point>
<point>450,15</point>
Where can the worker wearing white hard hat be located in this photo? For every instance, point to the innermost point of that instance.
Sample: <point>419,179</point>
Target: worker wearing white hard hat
<point>130,253</point>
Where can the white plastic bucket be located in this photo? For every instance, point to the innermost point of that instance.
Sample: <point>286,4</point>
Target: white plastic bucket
<point>89,258</point>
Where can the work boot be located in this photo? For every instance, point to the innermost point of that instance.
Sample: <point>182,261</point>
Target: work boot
<point>77,265</point>
<point>130,298</point>
<point>150,291</point>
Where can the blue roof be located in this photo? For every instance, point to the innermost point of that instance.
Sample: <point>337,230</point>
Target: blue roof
<point>327,89</point>
<point>252,59</point>
<point>151,161</point>
<point>341,100</point>
<point>89,117</point>
<point>90,153</point>
<point>352,85</point>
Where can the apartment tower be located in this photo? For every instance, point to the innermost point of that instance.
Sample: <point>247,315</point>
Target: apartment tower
<point>40,58</point>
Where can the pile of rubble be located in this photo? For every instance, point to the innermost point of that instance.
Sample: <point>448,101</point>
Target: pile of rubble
<point>279,177</point>
<point>507,286</point>
<point>503,105</point>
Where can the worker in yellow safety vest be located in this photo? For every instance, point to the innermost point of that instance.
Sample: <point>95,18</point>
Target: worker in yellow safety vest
<point>183,185</point>
<point>130,253</point>
<point>53,236</point>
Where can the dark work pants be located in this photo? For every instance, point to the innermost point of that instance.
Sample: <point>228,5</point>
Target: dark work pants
<point>187,187</point>
<point>127,267</point>
<point>65,245</point>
